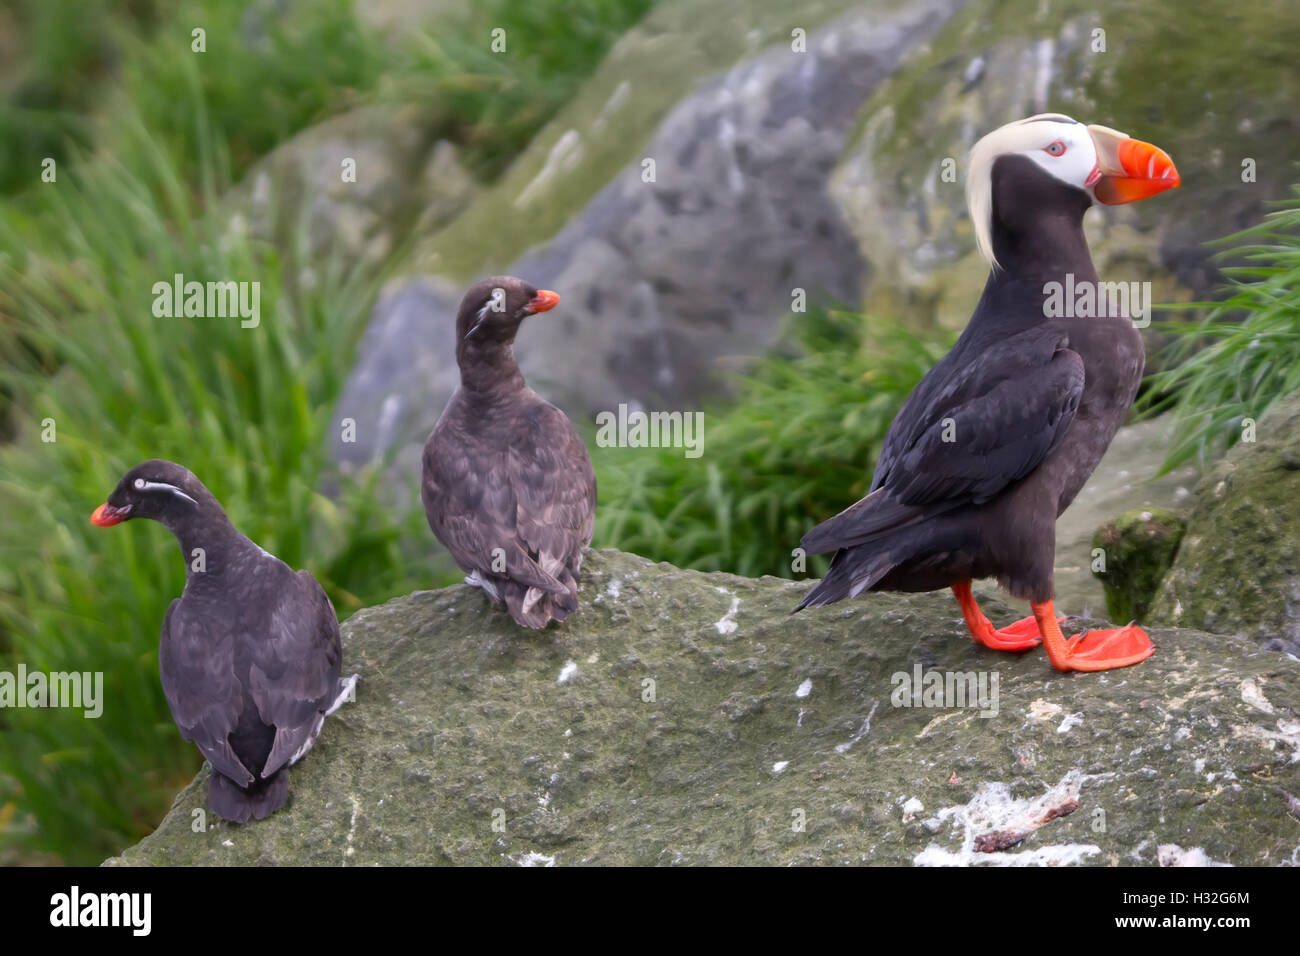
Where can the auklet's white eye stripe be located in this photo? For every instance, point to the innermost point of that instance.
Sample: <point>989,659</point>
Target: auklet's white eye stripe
<point>479,318</point>
<point>245,631</point>
<point>142,485</point>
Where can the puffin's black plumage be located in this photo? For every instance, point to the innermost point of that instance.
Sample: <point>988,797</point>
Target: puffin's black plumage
<point>999,437</point>
<point>250,652</point>
<point>507,483</point>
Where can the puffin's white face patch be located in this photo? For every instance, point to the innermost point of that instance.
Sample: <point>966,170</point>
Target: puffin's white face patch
<point>1066,152</point>
<point>142,485</point>
<point>1053,141</point>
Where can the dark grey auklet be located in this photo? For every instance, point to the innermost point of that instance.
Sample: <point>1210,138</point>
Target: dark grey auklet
<point>250,651</point>
<point>1003,432</point>
<point>508,486</point>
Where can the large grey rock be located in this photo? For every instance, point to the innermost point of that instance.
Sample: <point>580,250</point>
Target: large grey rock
<point>1238,567</point>
<point>388,419</point>
<point>686,718</point>
<point>663,280</point>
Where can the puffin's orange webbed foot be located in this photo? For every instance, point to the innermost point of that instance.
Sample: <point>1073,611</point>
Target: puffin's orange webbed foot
<point>1020,636</point>
<point>1100,650</point>
<point>1109,648</point>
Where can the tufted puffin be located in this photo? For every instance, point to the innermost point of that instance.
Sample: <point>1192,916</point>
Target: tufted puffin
<point>1002,433</point>
<point>507,483</point>
<point>250,652</point>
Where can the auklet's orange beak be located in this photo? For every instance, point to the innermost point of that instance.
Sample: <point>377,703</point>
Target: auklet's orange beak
<point>1128,169</point>
<point>106,515</point>
<point>544,301</point>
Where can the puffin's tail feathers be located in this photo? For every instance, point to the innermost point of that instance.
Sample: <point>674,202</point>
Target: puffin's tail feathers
<point>851,572</point>
<point>872,519</point>
<point>863,520</point>
<point>262,798</point>
<point>532,607</point>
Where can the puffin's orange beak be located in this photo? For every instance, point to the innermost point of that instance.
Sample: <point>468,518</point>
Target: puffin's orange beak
<point>106,515</point>
<point>1128,169</point>
<point>544,301</point>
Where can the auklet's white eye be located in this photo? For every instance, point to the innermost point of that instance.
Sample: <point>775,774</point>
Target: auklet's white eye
<point>139,484</point>
<point>1055,149</point>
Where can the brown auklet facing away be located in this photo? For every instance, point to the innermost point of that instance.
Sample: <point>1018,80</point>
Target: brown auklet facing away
<point>508,486</point>
<point>1002,433</point>
<point>250,651</point>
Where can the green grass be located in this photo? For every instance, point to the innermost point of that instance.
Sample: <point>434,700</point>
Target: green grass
<point>88,62</point>
<point>798,445</point>
<point>264,76</point>
<point>99,71</point>
<point>489,103</point>
<point>1243,354</point>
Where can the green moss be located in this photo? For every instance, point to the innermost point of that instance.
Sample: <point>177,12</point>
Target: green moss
<point>1238,569</point>
<point>1173,80</point>
<point>1139,547</point>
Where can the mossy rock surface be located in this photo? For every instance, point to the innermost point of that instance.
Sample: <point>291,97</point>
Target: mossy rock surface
<point>1238,568</point>
<point>1138,547</point>
<point>764,739</point>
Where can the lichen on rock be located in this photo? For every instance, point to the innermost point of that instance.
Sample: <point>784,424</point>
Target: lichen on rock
<point>648,730</point>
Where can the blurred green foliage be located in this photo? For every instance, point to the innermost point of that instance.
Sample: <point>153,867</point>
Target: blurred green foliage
<point>271,69</point>
<point>798,444</point>
<point>1243,352</point>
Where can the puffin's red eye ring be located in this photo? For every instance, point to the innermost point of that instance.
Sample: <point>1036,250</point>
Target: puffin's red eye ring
<point>1055,149</point>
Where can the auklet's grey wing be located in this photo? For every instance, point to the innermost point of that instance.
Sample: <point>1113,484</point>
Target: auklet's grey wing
<point>196,663</point>
<point>555,487</point>
<point>295,673</point>
<point>472,508</point>
<point>554,483</point>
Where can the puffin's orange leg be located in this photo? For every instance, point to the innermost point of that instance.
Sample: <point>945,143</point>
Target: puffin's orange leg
<point>1104,650</point>
<point>1020,636</point>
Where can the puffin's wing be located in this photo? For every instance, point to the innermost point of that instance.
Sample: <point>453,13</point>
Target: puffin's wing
<point>554,485</point>
<point>196,663</point>
<point>994,438</point>
<point>975,431</point>
<point>294,676</point>
<point>469,499</point>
